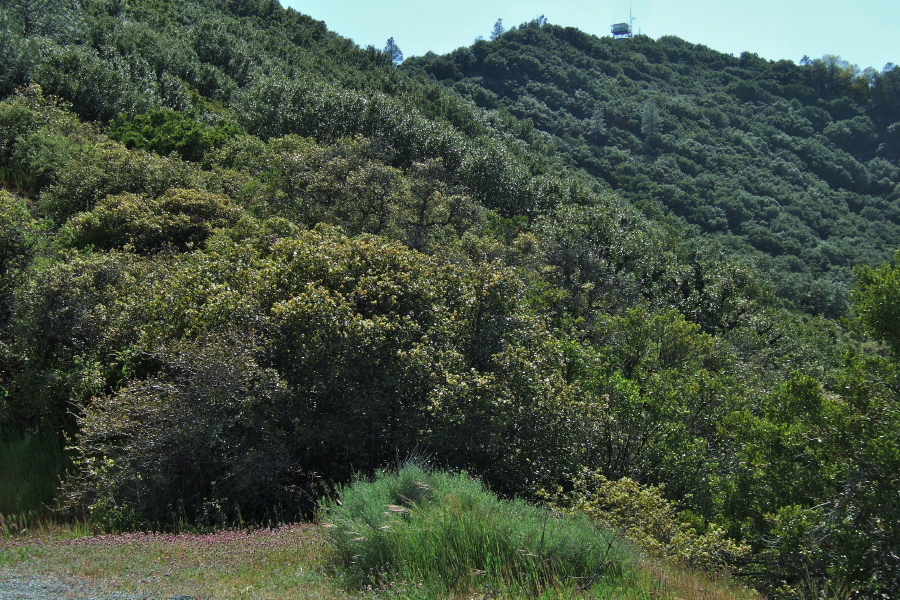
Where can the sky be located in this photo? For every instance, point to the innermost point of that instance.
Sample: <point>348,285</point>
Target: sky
<point>863,32</point>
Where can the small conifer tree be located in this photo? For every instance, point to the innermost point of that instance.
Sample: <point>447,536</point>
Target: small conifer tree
<point>498,29</point>
<point>393,52</point>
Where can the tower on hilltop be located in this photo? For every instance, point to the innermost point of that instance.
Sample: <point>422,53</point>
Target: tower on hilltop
<point>624,30</point>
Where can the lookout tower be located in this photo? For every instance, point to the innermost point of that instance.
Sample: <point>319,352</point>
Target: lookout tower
<point>624,30</point>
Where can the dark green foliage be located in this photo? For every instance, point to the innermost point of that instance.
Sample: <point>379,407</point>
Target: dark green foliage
<point>45,18</point>
<point>20,240</point>
<point>165,131</point>
<point>31,466</point>
<point>208,441</point>
<point>18,55</point>
<point>772,159</point>
<point>100,90</point>
<point>71,318</point>
<point>607,257</point>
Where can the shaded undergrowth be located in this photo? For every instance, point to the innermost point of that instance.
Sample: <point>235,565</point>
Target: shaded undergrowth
<point>30,470</point>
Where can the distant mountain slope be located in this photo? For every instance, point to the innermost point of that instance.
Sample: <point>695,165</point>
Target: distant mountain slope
<point>796,166</point>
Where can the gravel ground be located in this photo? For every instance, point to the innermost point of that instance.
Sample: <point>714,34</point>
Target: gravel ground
<point>59,565</point>
<point>15,585</point>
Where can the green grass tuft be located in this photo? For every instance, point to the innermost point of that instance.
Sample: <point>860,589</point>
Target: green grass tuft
<point>446,533</point>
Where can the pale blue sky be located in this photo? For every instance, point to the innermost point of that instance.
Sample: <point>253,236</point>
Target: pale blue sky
<point>863,32</point>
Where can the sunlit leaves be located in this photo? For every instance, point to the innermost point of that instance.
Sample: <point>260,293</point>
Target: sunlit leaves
<point>179,219</point>
<point>18,233</point>
<point>37,137</point>
<point>108,168</point>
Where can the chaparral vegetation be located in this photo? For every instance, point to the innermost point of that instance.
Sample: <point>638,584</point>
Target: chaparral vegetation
<point>645,292</point>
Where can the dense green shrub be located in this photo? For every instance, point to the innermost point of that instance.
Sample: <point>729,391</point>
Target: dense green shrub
<point>875,301</point>
<point>208,440</point>
<point>108,168</point>
<point>18,55</point>
<point>165,131</point>
<point>69,318</point>
<point>806,493</point>
<point>37,137</point>
<point>20,237</point>
<point>97,90</point>
<point>652,522</point>
<point>19,232</point>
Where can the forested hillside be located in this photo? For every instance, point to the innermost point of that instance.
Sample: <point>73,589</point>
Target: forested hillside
<point>793,166</point>
<point>243,259</point>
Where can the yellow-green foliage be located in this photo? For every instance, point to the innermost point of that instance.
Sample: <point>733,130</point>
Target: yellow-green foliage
<point>108,168</point>
<point>349,183</point>
<point>651,521</point>
<point>178,219</point>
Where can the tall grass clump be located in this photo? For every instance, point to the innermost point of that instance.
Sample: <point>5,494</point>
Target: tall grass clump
<point>446,533</point>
